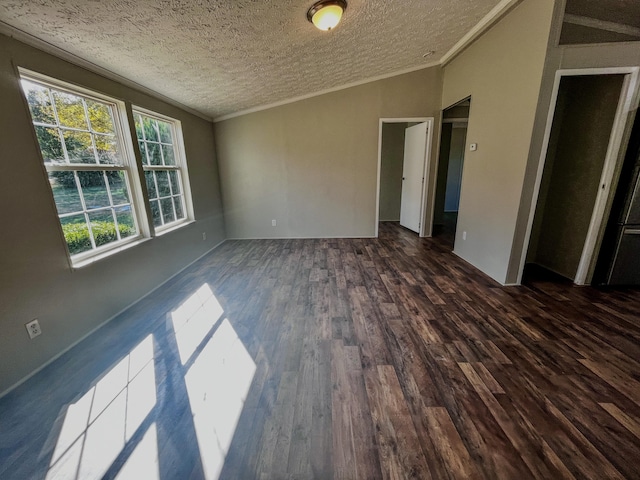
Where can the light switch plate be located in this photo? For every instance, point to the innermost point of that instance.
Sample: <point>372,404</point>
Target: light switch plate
<point>473,147</point>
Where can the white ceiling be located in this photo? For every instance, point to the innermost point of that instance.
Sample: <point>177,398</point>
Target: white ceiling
<point>220,57</point>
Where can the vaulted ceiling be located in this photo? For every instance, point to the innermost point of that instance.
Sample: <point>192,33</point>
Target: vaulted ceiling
<point>221,56</point>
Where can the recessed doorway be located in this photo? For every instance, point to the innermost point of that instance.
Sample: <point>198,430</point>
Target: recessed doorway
<point>579,171</point>
<point>404,146</point>
<point>448,189</point>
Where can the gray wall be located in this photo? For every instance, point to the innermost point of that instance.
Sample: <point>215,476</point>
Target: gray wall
<point>563,57</point>
<point>35,278</point>
<point>312,165</point>
<point>502,72</point>
<point>573,167</point>
<point>391,164</point>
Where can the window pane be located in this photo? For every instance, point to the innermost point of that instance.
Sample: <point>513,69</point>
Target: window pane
<point>118,186</point>
<point>175,183</point>
<point>39,102</point>
<point>153,152</point>
<point>167,210</point>
<point>169,157</point>
<point>177,202</point>
<point>50,145</point>
<point>138,123</point>
<point>100,117</point>
<point>126,224</point>
<point>94,189</point>
<point>70,110</point>
<point>155,213</point>
<point>143,153</point>
<point>103,227</point>
<point>65,192</point>
<point>163,183</point>
<point>165,131</point>
<point>107,148</point>
<point>150,129</point>
<point>151,186</point>
<point>76,233</point>
<point>79,147</point>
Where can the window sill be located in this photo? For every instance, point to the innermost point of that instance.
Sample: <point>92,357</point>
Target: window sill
<point>81,263</point>
<point>77,264</point>
<point>173,228</point>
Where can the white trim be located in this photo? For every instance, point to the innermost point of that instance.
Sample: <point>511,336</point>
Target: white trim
<point>628,93</point>
<point>128,166</point>
<point>61,53</point>
<point>181,166</point>
<point>425,173</point>
<point>482,26</point>
<point>85,336</point>
<point>323,92</point>
<point>78,263</point>
<point>611,160</point>
<point>434,179</point>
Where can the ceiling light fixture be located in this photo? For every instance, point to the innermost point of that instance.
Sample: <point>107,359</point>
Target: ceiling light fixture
<point>326,14</point>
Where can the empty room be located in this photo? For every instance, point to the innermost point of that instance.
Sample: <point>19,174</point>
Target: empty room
<point>342,239</point>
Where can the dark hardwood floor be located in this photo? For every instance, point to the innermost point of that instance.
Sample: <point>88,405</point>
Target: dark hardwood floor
<point>369,358</point>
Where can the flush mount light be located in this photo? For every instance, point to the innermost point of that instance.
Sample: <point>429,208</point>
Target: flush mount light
<point>326,14</point>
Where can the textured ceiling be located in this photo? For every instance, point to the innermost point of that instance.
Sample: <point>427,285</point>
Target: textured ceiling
<point>221,57</point>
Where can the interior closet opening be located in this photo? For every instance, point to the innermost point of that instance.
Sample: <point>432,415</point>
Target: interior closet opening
<point>577,158</point>
<point>453,139</point>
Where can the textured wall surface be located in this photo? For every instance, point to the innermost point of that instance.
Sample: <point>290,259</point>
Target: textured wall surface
<point>502,72</point>
<point>36,280</point>
<point>312,165</point>
<point>220,57</point>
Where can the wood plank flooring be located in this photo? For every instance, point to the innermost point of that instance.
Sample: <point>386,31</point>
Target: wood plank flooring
<point>382,358</point>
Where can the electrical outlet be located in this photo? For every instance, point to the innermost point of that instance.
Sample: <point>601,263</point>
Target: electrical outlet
<point>464,235</point>
<point>273,222</point>
<point>204,236</point>
<point>33,328</point>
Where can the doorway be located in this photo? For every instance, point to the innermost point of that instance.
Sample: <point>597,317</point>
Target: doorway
<point>404,146</point>
<point>453,139</point>
<point>582,145</point>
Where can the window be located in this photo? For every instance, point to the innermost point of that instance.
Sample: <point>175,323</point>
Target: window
<point>89,171</point>
<point>163,167</point>
<point>89,158</point>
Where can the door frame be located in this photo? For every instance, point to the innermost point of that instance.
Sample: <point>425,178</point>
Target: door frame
<point>425,172</point>
<point>628,98</point>
<point>432,183</point>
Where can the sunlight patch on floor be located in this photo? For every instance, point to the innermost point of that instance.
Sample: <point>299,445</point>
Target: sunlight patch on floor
<point>98,425</point>
<point>217,384</point>
<point>143,462</point>
<point>194,319</point>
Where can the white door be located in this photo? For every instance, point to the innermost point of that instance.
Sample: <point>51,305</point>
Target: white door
<point>415,141</point>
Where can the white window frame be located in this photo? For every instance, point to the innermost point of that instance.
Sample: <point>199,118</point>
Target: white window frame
<point>129,167</point>
<point>180,167</point>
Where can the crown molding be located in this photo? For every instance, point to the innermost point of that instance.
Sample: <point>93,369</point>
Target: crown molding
<point>323,92</point>
<point>496,13</point>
